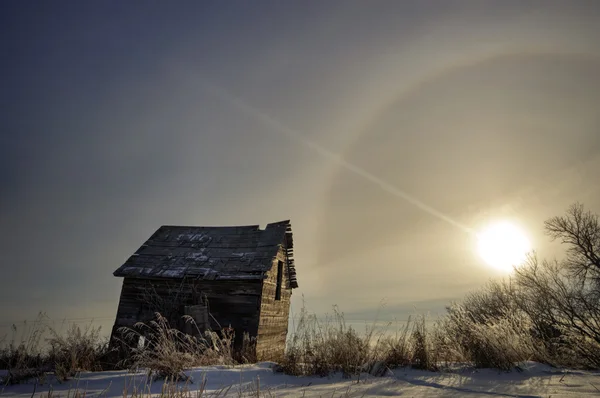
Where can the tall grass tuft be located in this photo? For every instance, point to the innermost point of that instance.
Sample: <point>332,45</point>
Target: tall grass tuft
<point>76,350</point>
<point>39,351</point>
<point>423,349</point>
<point>167,352</point>
<point>322,348</point>
<point>23,356</point>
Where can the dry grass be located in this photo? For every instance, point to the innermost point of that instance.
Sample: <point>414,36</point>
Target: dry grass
<point>395,350</point>
<point>322,348</point>
<point>168,352</point>
<point>423,346</point>
<point>37,352</point>
<point>76,350</point>
<point>23,356</point>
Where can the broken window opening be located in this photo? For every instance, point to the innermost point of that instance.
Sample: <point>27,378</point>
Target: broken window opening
<point>279,280</point>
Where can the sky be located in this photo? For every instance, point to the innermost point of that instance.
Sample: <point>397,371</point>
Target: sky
<point>386,131</point>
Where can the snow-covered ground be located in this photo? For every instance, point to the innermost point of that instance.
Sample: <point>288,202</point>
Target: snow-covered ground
<point>534,381</point>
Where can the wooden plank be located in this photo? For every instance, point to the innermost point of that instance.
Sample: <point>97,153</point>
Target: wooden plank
<point>274,314</point>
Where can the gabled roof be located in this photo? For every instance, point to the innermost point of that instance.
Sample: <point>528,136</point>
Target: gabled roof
<point>211,253</point>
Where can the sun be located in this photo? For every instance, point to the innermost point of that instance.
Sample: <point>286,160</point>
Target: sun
<point>503,245</point>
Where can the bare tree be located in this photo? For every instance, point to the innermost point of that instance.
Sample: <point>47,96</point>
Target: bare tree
<point>580,230</point>
<point>562,298</point>
<point>549,296</point>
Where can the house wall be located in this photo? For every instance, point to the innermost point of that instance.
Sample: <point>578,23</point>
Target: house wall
<point>231,303</point>
<point>274,314</point>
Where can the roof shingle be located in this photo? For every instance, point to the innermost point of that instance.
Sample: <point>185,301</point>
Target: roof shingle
<point>228,253</point>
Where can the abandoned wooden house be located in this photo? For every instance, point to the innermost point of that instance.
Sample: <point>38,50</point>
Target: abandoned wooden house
<point>240,277</point>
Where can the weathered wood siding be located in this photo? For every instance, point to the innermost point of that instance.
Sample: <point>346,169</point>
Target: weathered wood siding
<point>231,303</point>
<point>274,314</point>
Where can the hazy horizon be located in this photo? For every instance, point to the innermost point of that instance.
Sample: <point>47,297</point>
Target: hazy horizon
<point>385,131</point>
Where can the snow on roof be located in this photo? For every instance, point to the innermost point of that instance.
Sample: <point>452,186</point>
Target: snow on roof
<point>221,253</point>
